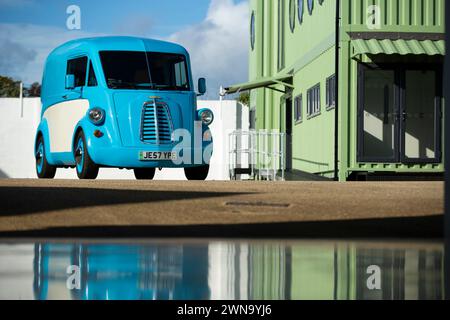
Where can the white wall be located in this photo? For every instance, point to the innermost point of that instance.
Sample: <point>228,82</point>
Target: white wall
<point>228,273</point>
<point>16,272</point>
<point>17,140</point>
<point>17,137</point>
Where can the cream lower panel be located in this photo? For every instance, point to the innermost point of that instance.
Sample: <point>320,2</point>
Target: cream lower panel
<point>62,119</point>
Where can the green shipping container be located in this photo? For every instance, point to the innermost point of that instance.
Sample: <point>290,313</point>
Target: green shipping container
<point>371,105</point>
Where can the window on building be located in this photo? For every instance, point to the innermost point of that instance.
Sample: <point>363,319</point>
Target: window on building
<point>92,79</point>
<point>78,68</point>
<point>252,118</point>
<point>310,6</point>
<point>331,92</point>
<point>252,31</point>
<point>300,11</point>
<point>292,15</point>
<point>281,23</point>
<point>313,104</point>
<point>298,108</point>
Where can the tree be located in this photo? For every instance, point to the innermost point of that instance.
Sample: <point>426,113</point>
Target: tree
<point>244,98</point>
<point>9,87</point>
<point>34,90</point>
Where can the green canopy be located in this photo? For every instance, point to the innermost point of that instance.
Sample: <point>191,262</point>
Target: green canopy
<point>402,47</point>
<point>260,83</point>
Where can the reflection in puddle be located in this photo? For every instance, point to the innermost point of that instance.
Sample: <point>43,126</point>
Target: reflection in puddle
<point>222,270</point>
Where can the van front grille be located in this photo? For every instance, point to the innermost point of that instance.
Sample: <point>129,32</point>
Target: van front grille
<point>156,124</point>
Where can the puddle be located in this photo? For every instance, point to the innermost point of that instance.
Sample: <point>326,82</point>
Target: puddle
<point>170,269</point>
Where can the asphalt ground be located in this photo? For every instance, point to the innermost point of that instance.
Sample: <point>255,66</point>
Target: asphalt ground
<point>142,209</point>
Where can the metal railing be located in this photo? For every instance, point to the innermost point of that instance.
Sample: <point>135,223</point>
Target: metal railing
<point>260,154</point>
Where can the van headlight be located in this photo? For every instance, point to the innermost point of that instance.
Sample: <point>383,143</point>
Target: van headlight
<point>97,116</point>
<point>206,116</point>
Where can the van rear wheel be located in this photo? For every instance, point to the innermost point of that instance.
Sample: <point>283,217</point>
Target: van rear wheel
<point>86,168</point>
<point>144,173</point>
<point>43,169</point>
<point>197,173</point>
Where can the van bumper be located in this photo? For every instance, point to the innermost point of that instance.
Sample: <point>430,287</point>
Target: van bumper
<point>126,157</point>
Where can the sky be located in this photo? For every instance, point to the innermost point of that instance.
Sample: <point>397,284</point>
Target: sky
<point>215,32</point>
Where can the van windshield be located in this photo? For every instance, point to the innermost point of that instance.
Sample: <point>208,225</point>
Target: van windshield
<point>145,70</point>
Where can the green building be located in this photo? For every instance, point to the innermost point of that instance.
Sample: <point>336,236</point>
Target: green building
<point>371,105</point>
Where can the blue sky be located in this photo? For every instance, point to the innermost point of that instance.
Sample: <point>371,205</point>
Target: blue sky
<point>163,17</point>
<point>214,31</point>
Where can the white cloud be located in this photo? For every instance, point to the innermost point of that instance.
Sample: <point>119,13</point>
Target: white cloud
<point>25,48</point>
<point>134,25</point>
<point>219,45</point>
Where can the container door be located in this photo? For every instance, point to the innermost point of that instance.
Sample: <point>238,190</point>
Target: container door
<point>288,131</point>
<point>377,115</point>
<point>286,127</point>
<point>421,117</point>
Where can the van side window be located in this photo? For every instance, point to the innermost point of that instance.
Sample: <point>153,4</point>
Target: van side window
<point>78,67</point>
<point>92,79</point>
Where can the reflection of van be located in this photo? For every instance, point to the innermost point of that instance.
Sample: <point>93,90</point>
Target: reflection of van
<point>121,102</point>
<point>121,272</point>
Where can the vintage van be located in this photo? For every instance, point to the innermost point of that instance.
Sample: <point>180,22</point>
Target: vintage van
<point>121,102</point>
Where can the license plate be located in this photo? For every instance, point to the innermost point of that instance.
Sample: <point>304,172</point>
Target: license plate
<point>157,155</point>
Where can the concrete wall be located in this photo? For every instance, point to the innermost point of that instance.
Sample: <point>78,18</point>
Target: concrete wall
<point>17,136</point>
<point>16,272</point>
<point>228,274</point>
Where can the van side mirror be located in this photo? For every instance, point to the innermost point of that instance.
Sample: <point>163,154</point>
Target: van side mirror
<point>70,81</point>
<point>201,86</point>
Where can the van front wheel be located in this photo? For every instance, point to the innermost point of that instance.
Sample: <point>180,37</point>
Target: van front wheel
<point>86,168</point>
<point>43,169</point>
<point>144,173</point>
<point>197,173</point>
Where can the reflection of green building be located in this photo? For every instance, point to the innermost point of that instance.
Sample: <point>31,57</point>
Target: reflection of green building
<point>339,272</point>
<point>313,274</point>
<point>371,105</point>
<point>269,270</point>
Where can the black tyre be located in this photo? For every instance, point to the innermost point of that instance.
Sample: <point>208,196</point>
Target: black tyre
<point>43,169</point>
<point>86,168</point>
<point>144,173</point>
<point>197,173</point>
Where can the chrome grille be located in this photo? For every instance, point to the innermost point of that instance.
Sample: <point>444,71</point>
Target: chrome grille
<point>156,124</point>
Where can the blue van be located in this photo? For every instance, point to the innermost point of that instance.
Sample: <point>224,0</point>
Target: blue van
<point>121,102</point>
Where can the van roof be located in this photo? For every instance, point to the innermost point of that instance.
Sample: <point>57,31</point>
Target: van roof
<point>119,43</point>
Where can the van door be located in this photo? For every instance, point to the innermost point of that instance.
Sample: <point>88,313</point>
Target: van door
<point>78,68</point>
<point>63,117</point>
<point>90,90</point>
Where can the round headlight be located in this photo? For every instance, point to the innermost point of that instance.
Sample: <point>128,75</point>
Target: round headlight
<point>96,115</point>
<point>206,116</point>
